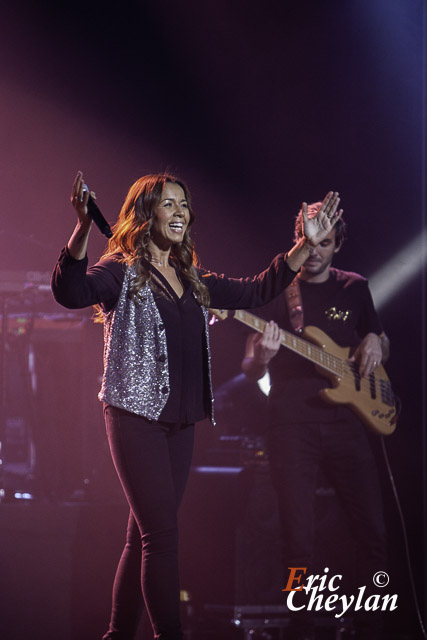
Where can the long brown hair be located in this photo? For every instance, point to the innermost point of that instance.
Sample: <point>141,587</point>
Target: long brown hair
<point>131,235</point>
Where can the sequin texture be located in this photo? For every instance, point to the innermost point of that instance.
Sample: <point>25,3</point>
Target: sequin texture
<point>136,371</point>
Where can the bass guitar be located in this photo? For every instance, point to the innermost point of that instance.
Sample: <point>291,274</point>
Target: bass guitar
<point>371,399</point>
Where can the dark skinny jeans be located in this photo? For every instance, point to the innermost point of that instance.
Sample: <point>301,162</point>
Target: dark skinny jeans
<point>153,462</point>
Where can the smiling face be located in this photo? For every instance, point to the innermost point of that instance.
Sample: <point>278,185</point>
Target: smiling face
<point>171,217</point>
<point>317,266</point>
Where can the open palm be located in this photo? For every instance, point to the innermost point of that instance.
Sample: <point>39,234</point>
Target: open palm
<point>318,224</point>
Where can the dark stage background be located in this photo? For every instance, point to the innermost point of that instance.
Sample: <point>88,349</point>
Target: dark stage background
<point>257,106</point>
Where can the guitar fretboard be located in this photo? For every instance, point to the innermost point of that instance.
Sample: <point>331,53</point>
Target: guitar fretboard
<point>306,349</point>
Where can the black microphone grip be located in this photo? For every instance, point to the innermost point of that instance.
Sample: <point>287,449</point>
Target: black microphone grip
<point>95,214</point>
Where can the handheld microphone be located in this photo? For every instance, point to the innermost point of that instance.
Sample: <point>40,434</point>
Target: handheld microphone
<point>95,214</point>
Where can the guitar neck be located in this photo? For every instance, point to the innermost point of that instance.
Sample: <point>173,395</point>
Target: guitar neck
<point>306,349</point>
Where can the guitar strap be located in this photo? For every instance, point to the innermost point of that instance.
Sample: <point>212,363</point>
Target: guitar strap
<point>295,308</point>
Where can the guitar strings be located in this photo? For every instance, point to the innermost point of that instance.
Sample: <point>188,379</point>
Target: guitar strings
<point>348,371</point>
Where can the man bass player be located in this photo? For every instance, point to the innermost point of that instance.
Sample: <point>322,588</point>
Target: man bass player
<point>307,434</point>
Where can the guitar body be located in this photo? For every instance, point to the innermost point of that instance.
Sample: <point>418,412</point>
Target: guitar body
<point>371,399</point>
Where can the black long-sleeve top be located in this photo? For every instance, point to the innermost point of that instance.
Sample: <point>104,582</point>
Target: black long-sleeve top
<point>76,286</point>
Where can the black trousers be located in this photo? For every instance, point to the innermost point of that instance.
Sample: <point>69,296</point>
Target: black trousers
<point>153,462</point>
<point>343,451</point>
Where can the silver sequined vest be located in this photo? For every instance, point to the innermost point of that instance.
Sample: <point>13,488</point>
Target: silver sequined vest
<point>136,372</point>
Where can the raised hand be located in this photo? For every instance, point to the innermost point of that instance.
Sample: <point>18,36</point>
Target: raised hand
<point>79,199</point>
<point>77,244</point>
<point>317,223</point>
